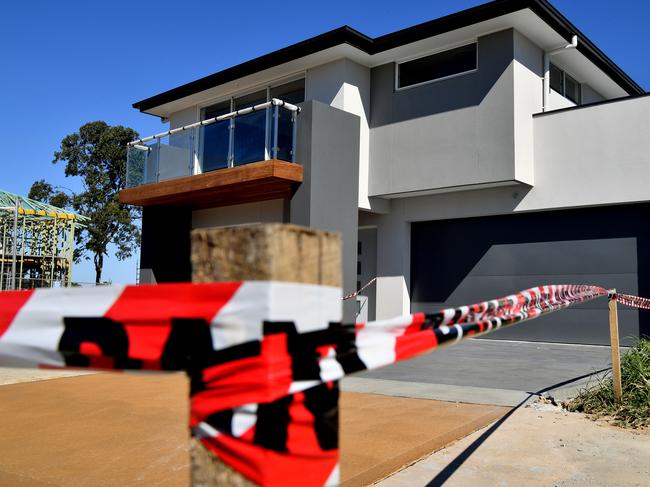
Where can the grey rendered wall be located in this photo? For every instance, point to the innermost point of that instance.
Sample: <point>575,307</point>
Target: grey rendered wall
<point>447,133</point>
<point>596,155</point>
<point>328,148</point>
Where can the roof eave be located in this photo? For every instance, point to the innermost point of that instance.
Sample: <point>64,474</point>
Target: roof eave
<point>354,38</point>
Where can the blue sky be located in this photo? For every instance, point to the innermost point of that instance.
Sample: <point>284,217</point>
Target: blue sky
<point>69,62</point>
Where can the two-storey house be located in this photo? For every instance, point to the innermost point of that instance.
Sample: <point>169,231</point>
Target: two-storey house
<point>462,159</point>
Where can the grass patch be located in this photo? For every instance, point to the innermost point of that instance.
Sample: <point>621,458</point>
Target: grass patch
<point>597,400</point>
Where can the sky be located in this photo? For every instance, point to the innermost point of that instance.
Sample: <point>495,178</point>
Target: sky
<point>66,63</point>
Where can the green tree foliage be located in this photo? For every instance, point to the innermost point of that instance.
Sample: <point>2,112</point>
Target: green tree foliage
<point>44,192</point>
<point>97,155</point>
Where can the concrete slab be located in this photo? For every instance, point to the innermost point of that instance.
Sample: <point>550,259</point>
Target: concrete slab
<point>499,365</point>
<point>439,392</point>
<point>95,430</point>
<point>539,445</point>
<point>130,430</point>
<point>381,434</point>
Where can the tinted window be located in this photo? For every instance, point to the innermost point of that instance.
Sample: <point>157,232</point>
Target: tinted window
<point>556,79</point>
<point>293,92</point>
<point>440,65</point>
<point>215,138</point>
<point>250,130</point>
<point>565,85</point>
<point>571,89</point>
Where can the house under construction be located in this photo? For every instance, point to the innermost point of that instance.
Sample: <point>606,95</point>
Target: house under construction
<point>36,243</point>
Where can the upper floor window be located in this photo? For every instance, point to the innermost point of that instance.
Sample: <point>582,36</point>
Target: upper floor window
<point>437,66</point>
<point>248,137</point>
<point>565,85</point>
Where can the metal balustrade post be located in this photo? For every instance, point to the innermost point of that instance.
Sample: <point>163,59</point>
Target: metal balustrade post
<point>231,143</point>
<point>144,167</point>
<point>294,129</point>
<point>158,160</point>
<point>276,113</point>
<point>267,131</point>
<point>190,167</point>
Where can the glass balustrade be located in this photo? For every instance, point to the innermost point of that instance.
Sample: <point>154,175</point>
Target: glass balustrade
<point>238,139</point>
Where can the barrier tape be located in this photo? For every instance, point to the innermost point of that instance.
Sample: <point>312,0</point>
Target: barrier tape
<point>263,358</point>
<point>633,301</point>
<point>358,291</point>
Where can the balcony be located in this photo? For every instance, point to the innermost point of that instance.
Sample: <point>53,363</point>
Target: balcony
<point>592,155</point>
<point>242,156</point>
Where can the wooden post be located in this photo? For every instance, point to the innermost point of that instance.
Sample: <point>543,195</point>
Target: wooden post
<point>616,353</point>
<point>258,252</point>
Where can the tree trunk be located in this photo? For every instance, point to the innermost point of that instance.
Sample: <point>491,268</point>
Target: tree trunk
<point>99,263</point>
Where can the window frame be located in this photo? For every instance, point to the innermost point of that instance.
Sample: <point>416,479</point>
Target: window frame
<point>577,83</point>
<point>233,95</point>
<point>433,53</point>
<point>564,76</point>
<point>239,92</point>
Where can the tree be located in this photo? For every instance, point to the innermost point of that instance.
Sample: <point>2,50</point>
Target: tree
<point>44,192</point>
<point>96,154</point>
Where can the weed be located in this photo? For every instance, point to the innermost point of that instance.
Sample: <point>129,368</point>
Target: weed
<point>634,410</point>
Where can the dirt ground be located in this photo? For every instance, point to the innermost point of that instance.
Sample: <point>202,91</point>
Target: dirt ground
<point>538,445</point>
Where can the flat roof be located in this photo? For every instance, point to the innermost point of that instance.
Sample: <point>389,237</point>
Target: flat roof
<point>348,35</point>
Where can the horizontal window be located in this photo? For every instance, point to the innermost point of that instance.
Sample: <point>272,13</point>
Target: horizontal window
<point>440,65</point>
<point>248,137</point>
<point>565,85</point>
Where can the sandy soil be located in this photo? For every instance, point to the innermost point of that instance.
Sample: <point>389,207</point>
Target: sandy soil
<point>538,445</point>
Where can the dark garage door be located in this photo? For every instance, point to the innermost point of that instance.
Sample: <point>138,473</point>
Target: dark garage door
<point>455,262</point>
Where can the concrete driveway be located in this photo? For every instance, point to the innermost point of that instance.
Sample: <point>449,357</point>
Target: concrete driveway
<point>485,371</point>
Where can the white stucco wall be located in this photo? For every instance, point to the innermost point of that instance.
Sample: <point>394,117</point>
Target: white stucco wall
<point>183,117</point>
<point>395,301</point>
<point>557,101</point>
<point>592,156</point>
<point>345,85</point>
<point>528,87</point>
<point>589,95</point>
<point>261,212</point>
